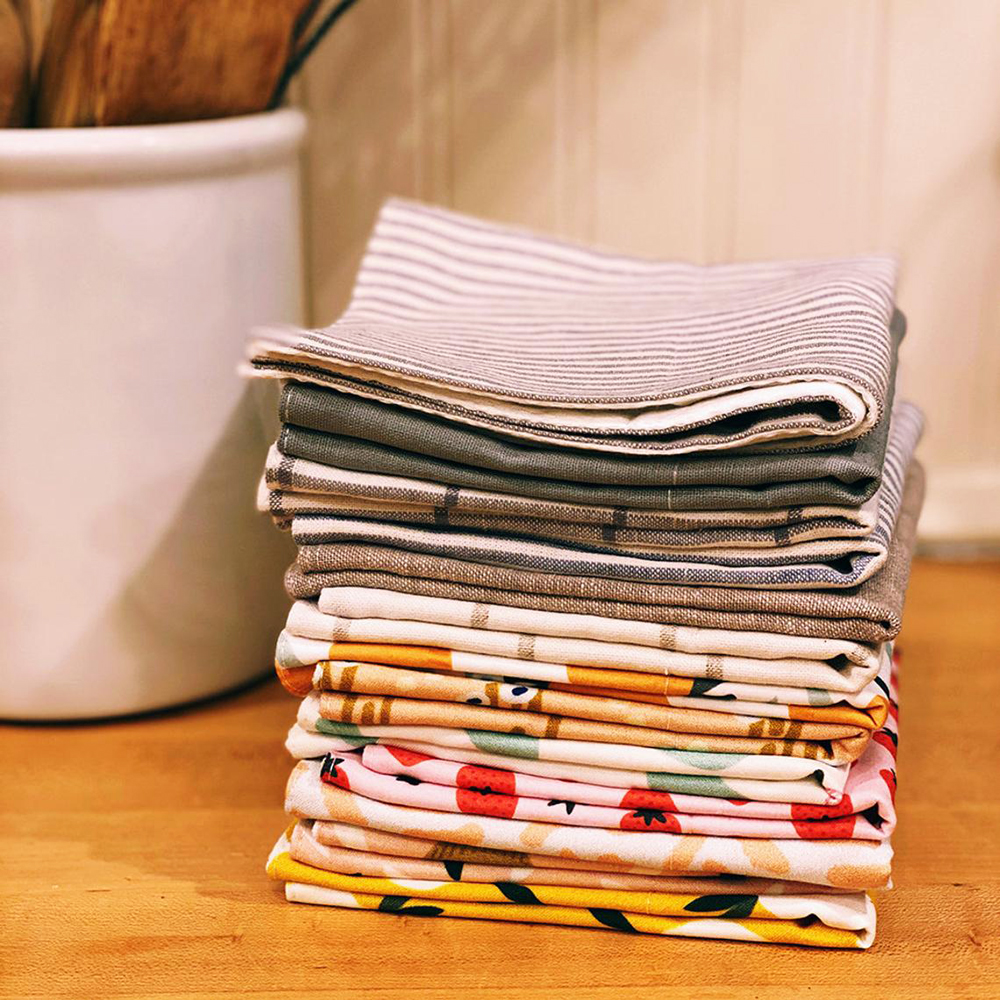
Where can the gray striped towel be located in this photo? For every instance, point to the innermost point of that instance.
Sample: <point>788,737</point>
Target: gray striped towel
<point>542,340</point>
<point>298,485</point>
<point>782,568</point>
<point>366,456</point>
<point>826,535</point>
<point>855,464</point>
<point>870,612</point>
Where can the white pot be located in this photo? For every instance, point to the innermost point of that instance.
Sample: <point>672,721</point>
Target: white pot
<point>134,571</point>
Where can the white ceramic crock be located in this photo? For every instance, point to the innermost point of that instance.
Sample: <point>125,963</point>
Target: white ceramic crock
<point>134,571</point>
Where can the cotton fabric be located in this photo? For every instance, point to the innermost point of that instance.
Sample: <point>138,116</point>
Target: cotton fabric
<point>541,340</point>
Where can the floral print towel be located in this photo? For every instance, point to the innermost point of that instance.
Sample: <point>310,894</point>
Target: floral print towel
<point>637,810</point>
<point>516,732</point>
<point>583,692</point>
<point>866,808</point>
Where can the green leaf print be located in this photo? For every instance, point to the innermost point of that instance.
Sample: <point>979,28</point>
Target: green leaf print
<point>507,744</point>
<point>704,760</point>
<point>389,904</point>
<point>517,893</point>
<point>729,907</point>
<point>397,904</point>
<point>347,731</point>
<point>612,918</point>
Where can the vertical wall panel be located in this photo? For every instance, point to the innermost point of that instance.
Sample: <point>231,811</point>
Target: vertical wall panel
<point>359,90</point>
<point>940,205</point>
<point>651,116</point>
<point>805,94</point>
<point>503,85</point>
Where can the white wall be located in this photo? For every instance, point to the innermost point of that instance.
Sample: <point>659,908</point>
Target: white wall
<point>701,129</point>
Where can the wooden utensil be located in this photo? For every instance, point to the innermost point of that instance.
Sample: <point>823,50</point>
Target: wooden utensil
<point>15,68</point>
<point>125,62</point>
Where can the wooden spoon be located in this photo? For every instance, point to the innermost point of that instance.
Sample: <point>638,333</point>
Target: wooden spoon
<point>15,68</point>
<point>125,62</point>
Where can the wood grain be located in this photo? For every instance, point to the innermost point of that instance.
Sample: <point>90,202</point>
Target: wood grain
<point>132,863</point>
<point>15,67</point>
<point>134,62</point>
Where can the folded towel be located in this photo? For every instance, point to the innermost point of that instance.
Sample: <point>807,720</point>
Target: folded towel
<point>870,612</point>
<point>817,919</point>
<point>365,602</point>
<point>759,758</point>
<point>362,456</point>
<point>690,774</point>
<point>868,794</point>
<point>680,728</point>
<point>639,810</point>
<point>295,480</point>
<point>848,864</point>
<point>824,534</point>
<point>312,636</point>
<point>372,603</point>
<point>305,664</point>
<point>551,342</point>
<point>785,568</point>
<point>356,850</point>
<point>856,463</point>
<point>792,566</point>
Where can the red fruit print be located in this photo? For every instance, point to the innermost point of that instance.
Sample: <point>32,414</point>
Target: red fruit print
<point>834,829</point>
<point>737,802</point>
<point>651,820</point>
<point>485,805</point>
<point>889,778</point>
<point>843,808</point>
<point>486,779</point>
<point>408,757</point>
<point>884,739</point>
<point>646,798</point>
<point>331,774</point>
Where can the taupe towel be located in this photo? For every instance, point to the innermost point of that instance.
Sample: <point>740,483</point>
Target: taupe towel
<point>542,340</point>
<point>837,535</point>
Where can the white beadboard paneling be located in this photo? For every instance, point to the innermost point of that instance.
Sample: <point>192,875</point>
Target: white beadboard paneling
<point>650,181</point>
<point>703,129</point>
<point>503,85</point>
<point>940,198</point>
<point>360,92</point>
<point>806,96</point>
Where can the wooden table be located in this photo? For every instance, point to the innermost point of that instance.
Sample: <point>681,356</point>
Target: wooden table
<point>133,852</point>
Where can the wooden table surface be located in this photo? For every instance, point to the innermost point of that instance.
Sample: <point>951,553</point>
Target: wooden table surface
<point>133,851</point>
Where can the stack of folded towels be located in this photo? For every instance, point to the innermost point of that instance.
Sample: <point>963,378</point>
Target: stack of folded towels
<point>600,565</point>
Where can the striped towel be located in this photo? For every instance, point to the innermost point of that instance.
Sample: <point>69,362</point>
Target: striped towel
<point>546,341</point>
<point>869,612</point>
<point>836,531</point>
<point>856,464</point>
<point>784,568</point>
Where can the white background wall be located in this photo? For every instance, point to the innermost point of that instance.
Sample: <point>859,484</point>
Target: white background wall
<point>701,129</point>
